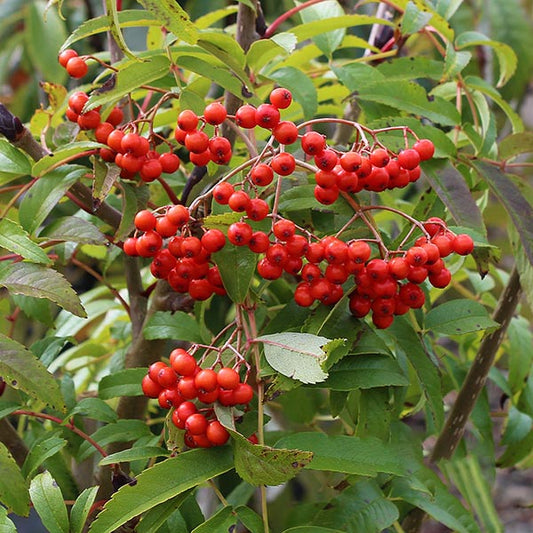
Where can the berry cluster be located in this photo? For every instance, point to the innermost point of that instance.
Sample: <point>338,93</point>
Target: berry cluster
<point>176,386</point>
<point>185,262</point>
<point>73,63</point>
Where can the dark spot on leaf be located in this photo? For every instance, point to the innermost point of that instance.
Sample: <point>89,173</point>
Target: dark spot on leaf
<point>478,326</point>
<point>107,85</point>
<point>430,98</point>
<point>295,464</point>
<point>14,383</point>
<point>328,506</point>
<point>246,93</point>
<point>232,528</point>
<point>54,483</point>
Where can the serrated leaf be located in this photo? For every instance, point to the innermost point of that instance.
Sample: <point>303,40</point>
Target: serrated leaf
<point>131,203</point>
<point>361,508</point>
<point>515,144</point>
<point>22,370</point>
<point>128,78</point>
<point>263,51</point>
<point>13,489</point>
<point>414,19</point>
<point>63,155</point>
<point>44,194</point>
<point>162,482</point>
<point>517,207</point>
<point>6,525</point>
<point>123,430</point>
<point>453,191</point>
<point>328,41</point>
<point>128,18</point>
<point>13,163</point>
<point>48,501</point>
<point>158,515</point>
<point>436,20</point>
<point>250,519</point>
<point>94,408</point>
<point>506,56</point>
<point>352,455</point>
<point>402,333</point>
<point>42,448</point>
<point>44,36</point>
<point>6,408</point>
<point>232,259</point>
<point>81,508</point>
<point>134,454</point>
<point>296,355</point>
<point>105,177</point>
<point>122,383</point>
<point>114,28</point>
<point>15,239</point>
<point>207,20</point>
<point>73,229</point>
<point>174,18</point>
<point>311,529</point>
<point>35,308</point>
<point>41,282</point>
<point>301,86</point>
<point>455,61</point>
<point>168,325</point>
<point>223,520</point>
<point>365,372</point>
<point>457,317</point>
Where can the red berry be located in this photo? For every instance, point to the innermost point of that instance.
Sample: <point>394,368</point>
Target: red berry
<point>151,170</point>
<point>313,142</point>
<point>412,295</point>
<point>206,380</point>
<point>268,270</point>
<point>65,55</point>
<point>259,242</point>
<point>382,321</point>
<point>267,116</point>
<point>444,243</point>
<point>262,175</point>
<point>196,424</point>
<point>130,246</point>
<point>216,433</point>
<point>281,98</point>
<point>326,160</point>
<point>326,196</point>
<point>243,393</point>
<point>77,101</point>
<point>239,201</point>
<point>463,244</point>
<point>326,178</point>
<point>303,296</point>
<point>245,116</point>
<point>222,192</point>
<point>76,67</point>
<point>416,256</point>
<point>284,229</point>
<point>377,269</point>
<point>379,157</point>
<point>187,388</point>
<point>115,117</point>
<point>359,305</point>
<point>398,267</point>
<point>150,388</point>
<point>213,240</point>
<point>215,113</point>
<point>169,162</point>
<point>145,220</point>
<point>277,255</point>
<point>240,233</point>
<point>409,159</point>
<point>336,251</point>
<point>351,161</point>
<point>114,140</point>
<point>285,132</point>
<point>257,209</point>
<point>434,225</point>
<point>166,377</point>
<point>359,251</point>
<point>440,279</point>
<point>183,362</point>
<point>297,245</point>
<point>187,120</point>
<point>315,252</point>
<point>178,215</point>
<point>228,378</point>
<point>425,149</point>
<point>102,132</point>
<point>149,244</point>
<point>197,142</point>
<point>283,164</point>
<point>89,120</point>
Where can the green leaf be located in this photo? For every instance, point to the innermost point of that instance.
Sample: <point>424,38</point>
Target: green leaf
<point>515,144</point>
<point>516,452</point>
<point>440,503</point>
<point>131,203</point>
<point>123,430</point>
<point>409,68</point>
<point>174,18</point>
<point>311,529</point>
<point>115,29</point>
<point>158,515</point>
<point>454,193</point>
<point>351,455</point>
<point>178,326</point>
<point>6,525</point>
<point>80,509</point>
<point>223,520</point>
<point>130,75</point>
<point>73,229</point>
<point>134,454</point>
<point>455,61</point>
<point>122,383</point>
<point>510,196</point>
<point>301,86</point>
<point>506,56</point>
<point>402,333</point>
<point>296,355</point>
<point>263,51</point>
<point>162,482</point>
<point>436,20</point>
<point>44,36</point>
<point>42,448</point>
<point>328,41</point>
<point>105,177</point>
<point>45,193</point>
<point>457,317</point>
<point>365,372</point>
<point>41,282</point>
<point>35,308</point>
<point>13,489</point>
<point>13,163</point>
<point>250,519</point>
<point>207,20</point>
<point>361,508</point>
<point>6,408</point>
<point>15,239</point>
<point>63,155</point>
<point>94,408</point>
<point>230,260</point>
<point>22,370</point>
<point>48,502</point>
<point>520,355</point>
<point>414,19</point>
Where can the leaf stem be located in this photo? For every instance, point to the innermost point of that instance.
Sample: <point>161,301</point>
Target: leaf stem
<point>288,14</point>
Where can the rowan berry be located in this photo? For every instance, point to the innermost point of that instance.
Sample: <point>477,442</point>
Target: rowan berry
<point>463,244</point>
<point>259,242</point>
<point>302,295</point>
<point>206,380</point>
<point>197,142</point>
<point>409,158</point>
<point>434,225</point>
<point>114,140</point>
<point>350,161</point>
<point>149,244</point>
<point>336,251</point>
<point>416,256</point>
<point>359,251</point>
<point>326,178</point>
<point>187,388</point>
<point>268,270</point>
<point>208,397</point>
<point>257,209</point>
<point>398,267</point>
<point>262,175</point>
<point>166,377</point>
<point>425,149</point>
<point>284,229</point>
<point>89,120</point>
<point>183,362</point>
<point>187,120</point>
<point>285,132</point>
<point>245,116</point>
<point>440,279</point>
<point>315,252</point>
<point>313,142</point>
<point>216,433</point>
<point>222,192</point>
<point>412,295</point>
<point>243,393</point>
<point>377,181</point>
<point>65,55</point>
<point>326,196</point>
<point>145,220</point>
<point>102,131</point>
<point>228,378</point>
<point>444,243</point>
<point>240,233</point>
<point>115,117</point>
<point>267,116</point>
<point>150,388</point>
<point>215,113</point>
<point>359,305</point>
<point>281,98</point>
<point>130,246</point>
<point>382,321</point>
<point>297,245</point>
<point>379,157</point>
<point>327,159</point>
<point>283,164</point>
<point>417,274</point>
<point>76,67</point>
<point>377,269</point>
<point>213,240</point>
<point>277,255</point>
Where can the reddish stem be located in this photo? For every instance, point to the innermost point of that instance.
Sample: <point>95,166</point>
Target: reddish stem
<point>168,189</point>
<point>288,14</point>
<point>70,426</point>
